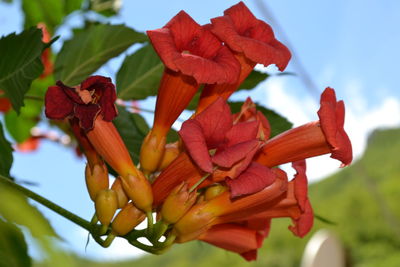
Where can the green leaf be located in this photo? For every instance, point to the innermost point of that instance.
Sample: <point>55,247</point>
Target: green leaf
<point>49,12</point>
<point>132,128</point>
<point>89,49</point>
<point>249,83</point>
<point>19,126</point>
<point>253,80</point>
<point>13,248</point>
<point>172,136</point>
<point>6,159</point>
<point>20,64</point>
<point>140,74</point>
<point>72,5</point>
<point>278,123</point>
<point>106,8</point>
<point>16,208</point>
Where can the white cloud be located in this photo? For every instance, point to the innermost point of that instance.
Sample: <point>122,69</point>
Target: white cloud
<point>361,120</point>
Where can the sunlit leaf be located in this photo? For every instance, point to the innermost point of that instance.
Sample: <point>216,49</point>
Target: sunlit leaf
<point>106,8</point>
<point>278,123</point>
<point>6,158</point>
<point>140,74</point>
<point>89,49</point>
<point>72,5</point>
<point>13,248</point>
<point>49,12</point>
<point>20,64</point>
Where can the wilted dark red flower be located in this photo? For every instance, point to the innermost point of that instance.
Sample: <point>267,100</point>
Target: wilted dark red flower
<point>95,96</point>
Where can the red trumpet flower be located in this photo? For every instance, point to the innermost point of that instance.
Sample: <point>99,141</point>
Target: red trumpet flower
<point>313,139</point>
<point>252,42</point>
<point>192,55</point>
<point>232,150</point>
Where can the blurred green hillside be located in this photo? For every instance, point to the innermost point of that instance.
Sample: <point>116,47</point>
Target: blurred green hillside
<point>363,200</point>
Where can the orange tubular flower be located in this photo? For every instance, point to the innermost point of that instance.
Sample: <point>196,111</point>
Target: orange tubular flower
<point>248,218</point>
<point>313,139</point>
<point>224,209</point>
<point>252,42</point>
<point>192,55</point>
<point>180,170</point>
<point>46,54</point>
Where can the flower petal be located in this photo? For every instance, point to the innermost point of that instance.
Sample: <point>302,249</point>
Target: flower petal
<point>70,92</point>
<point>254,179</point>
<point>58,105</point>
<point>195,142</point>
<point>300,183</point>
<point>231,155</point>
<point>104,91</point>
<point>86,115</point>
<point>185,46</point>
<point>242,132</point>
<point>244,33</point>
<point>164,45</point>
<point>235,238</point>
<point>331,115</point>
<point>303,224</point>
<point>215,121</point>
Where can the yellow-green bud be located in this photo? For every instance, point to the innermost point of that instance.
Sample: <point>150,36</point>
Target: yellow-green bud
<point>127,219</point>
<point>96,179</point>
<point>214,191</point>
<point>171,152</point>
<point>178,202</point>
<point>106,204</point>
<point>121,195</point>
<point>138,189</point>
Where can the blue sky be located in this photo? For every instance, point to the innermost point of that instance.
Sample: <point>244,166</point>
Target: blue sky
<point>349,45</point>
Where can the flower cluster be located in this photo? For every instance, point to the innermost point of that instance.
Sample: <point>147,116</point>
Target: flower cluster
<point>221,182</point>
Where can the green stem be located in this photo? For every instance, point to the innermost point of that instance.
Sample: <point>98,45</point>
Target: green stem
<point>34,97</point>
<point>150,223</point>
<point>142,246</point>
<point>199,182</point>
<point>45,202</point>
<point>159,229</point>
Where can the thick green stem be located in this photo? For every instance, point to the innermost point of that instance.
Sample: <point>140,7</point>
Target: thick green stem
<point>45,202</point>
<point>159,229</point>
